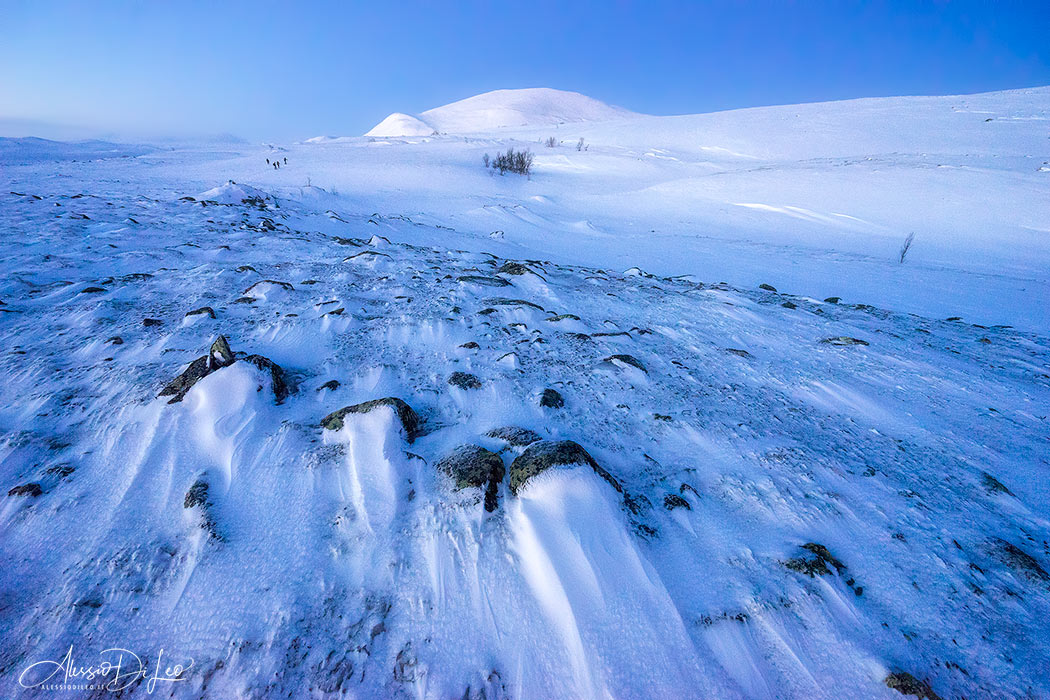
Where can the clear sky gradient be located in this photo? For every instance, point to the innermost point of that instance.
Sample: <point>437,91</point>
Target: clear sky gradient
<point>291,70</point>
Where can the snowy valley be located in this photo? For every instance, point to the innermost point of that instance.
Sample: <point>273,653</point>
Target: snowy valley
<point>668,418</point>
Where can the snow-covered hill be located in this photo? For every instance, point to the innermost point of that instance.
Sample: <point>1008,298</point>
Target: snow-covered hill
<point>383,423</point>
<point>502,109</point>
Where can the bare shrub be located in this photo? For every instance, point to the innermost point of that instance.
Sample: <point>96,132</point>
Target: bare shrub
<point>519,162</point>
<point>485,160</point>
<point>579,144</point>
<point>906,247</point>
<point>551,142</point>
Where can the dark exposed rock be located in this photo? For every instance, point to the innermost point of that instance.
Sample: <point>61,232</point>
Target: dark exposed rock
<point>994,485</point>
<point>832,300</point>
<point>197,497</point>
<point>907,684</point>
<point>789,305</point>
<point>473,467</point>
<point>484,280</point>
<point>205,310</point>
<point>545,454</point>
<point>470,346</point>
<point>551,399</point>
<point>220,355</point>
<point>115,340</point>
<point>736,351</point>
<point>92,290</point>
<point>673,500</point>
<point>502,301</point>
<point>152,322</point>
<point>628,360</point>
<point>247,268</point>
<point>662,417</point>
<point>280,387</point>
<point>563,317</point>
<point>283,285</point>
<point>1018,560</point>
<point>366,255</point>
<point>767,287</point>
<point>404,412</point>
<point>843,340</point>
<point>818,564</point>
<point>331,385</point>
<point>463,380</point>
<point>514,268</point>
<point>514,436</point>
<point>32,490</point>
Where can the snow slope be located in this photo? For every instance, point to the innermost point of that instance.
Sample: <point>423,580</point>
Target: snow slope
<point>790,496</point>
<point>501,109</point>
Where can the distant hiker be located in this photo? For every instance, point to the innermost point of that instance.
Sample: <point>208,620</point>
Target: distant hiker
<point>267,161</point>
<point>286,160</point>
<point>275,165</point>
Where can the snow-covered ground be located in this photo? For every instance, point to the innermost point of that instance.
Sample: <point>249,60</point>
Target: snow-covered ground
<point>774,494</point>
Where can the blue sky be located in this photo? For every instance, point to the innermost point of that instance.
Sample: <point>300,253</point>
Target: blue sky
<point>282,71</point>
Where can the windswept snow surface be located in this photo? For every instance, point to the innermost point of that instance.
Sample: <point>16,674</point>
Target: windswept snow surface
<point>792,498</point>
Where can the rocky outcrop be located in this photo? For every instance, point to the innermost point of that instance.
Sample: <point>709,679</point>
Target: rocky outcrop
<point>514,436</point>
<point>220,355</point>
<point>463,380</point>
<point>551,399</point>
<point>197,498</point>
<point>843,340</point>
<point>541,456</point>
<point>627,360</point>
<point>404,413</point>
<point>907,684</point>
<point>472,466</point>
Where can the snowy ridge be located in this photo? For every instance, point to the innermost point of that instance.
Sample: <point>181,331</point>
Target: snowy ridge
<point>501,109</point>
